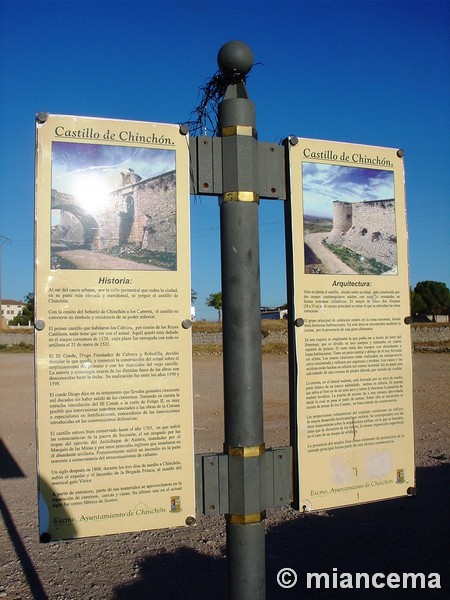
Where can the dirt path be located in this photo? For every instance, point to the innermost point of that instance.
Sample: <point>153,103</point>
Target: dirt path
<point>398,536</point>
<point>85,259</point>
<point>330,262</point>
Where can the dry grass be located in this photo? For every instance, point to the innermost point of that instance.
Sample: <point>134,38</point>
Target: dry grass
<point>206,349</point>
<point>267,326</point>
<point>6,329</point>
<point>206,327</point>
<point>275,348</point>
<point>17,348</point>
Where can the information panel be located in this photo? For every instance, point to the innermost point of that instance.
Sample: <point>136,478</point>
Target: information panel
<point>350,295</point>
<point>113,343</point>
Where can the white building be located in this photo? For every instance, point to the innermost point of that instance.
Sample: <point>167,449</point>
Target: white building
<point>11,308</point>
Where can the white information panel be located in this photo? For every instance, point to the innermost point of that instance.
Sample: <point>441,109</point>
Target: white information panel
<point>352,363</point>
<point>113,360</point>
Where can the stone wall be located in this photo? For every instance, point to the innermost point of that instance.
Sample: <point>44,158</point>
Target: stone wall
<point>205,337</point>
<point>342,217</point>
<point>25,337</point>
<point>141,212</point>
<point>432,333</point>
<point>367,228</point>
<point>151,209</point>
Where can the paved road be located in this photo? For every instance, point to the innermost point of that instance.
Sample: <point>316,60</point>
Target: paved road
<point>330,262</point>
<point>85,259</point>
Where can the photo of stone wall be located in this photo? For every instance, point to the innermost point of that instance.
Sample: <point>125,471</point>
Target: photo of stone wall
<point>367,228</point>
<point>141,212</point>
<point>349,220</point>
<point>134,222</point>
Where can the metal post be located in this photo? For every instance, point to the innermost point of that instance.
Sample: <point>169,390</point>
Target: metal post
<point>244,436</point>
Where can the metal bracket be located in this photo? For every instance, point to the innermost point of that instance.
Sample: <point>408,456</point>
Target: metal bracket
<point>205,154</point>
<point>272,172</point>
<point>211,478</point>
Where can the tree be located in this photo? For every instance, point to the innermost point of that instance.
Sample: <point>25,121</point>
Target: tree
<point>194,296</point>
<point>27,315</point>
<point>436,297</point>
<point>215,301</point>
<point>417,303</point>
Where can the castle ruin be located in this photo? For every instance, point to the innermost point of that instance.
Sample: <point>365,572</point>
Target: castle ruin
<point>367,228</point>
<point>140,212</point>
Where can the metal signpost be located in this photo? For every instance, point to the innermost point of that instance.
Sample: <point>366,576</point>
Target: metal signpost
<point>241,179</point>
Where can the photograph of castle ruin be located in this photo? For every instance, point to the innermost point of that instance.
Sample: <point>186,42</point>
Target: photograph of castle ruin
<point>349,220</point>
<point>113,207</point>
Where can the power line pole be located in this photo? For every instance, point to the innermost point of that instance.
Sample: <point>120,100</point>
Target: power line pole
<point>3,241</point>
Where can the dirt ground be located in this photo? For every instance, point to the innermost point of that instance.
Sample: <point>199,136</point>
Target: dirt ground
<point>398,536</point>
<point>85,259</point>
<point>330,262</point>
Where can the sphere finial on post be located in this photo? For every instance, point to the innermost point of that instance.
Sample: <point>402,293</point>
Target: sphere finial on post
<point>235,58</point>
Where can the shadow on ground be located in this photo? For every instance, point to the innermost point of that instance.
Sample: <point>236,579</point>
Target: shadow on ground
<point>408,535</point>
<point>8,465</point>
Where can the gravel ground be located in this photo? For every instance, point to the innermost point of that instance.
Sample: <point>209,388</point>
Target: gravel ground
<point>404,535</point>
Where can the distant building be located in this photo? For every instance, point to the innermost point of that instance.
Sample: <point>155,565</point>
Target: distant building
<point>11,308</point>
<point>273,313</point>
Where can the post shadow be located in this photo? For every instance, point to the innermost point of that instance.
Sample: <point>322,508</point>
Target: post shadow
<point>10,469</point>
<point>182,575</point>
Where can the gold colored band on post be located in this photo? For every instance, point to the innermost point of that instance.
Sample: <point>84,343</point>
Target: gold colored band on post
<point>247,130</point>
<point>247,519</point>
<point>246,451</point>
<point>240,197</point>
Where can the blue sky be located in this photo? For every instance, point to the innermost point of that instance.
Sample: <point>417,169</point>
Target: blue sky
<point>367,72</point>
<point>92,171</point>
<point>322,184</point>
<point>74,164</point>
